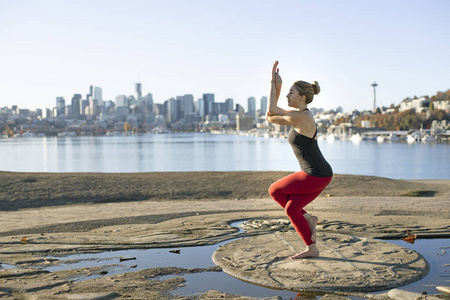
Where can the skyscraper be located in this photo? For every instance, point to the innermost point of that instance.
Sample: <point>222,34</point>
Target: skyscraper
<point>60,107</point>
<point>121,100</point>
<point>138,90</point>
<point>208,100</point>
<point>172,110</point>
<point>251,105</point>
<point>263,109</point>
<point>76,107</point>
<point>98,96</point>
<point>187,105</point>
<point>229,105</point>
<point>200,107</point>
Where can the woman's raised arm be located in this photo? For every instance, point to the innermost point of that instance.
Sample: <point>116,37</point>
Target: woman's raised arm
<point>275,91</point>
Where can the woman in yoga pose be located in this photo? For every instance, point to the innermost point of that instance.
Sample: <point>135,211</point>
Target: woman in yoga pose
<point>297,190</point>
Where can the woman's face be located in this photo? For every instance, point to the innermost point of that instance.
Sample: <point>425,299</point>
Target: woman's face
<point>294,98</point>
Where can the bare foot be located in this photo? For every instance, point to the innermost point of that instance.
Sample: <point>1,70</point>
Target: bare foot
<point>311,251</point>
<point>312,222</point>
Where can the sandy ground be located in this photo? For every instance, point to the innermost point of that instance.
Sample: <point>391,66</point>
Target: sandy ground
<point>45,213</point>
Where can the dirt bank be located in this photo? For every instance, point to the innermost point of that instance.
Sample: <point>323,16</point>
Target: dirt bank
<point>45,213</point>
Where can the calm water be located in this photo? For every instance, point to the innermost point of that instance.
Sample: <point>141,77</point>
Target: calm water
<point>206,152</point>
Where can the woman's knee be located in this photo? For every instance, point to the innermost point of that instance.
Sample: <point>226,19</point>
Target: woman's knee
<point>272,190</point>
<point>291,209</point>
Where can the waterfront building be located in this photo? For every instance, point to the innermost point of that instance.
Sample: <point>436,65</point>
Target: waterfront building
<point>244,122</point>
<point>132,120</point>
<point>160,119</point>
<point>223,118</point>
<point>444,105</point>
<point>365,124</point>
<point>418,105</point>
<point>283,129</point>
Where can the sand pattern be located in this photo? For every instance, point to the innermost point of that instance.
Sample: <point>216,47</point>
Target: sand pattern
<point>347,263</point>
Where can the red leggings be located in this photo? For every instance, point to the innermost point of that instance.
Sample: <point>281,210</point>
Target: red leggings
<point>294,192</point>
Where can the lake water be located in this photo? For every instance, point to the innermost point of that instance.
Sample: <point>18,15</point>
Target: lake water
<point>207,152</point>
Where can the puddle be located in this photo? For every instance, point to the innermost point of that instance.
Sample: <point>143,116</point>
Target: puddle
<point>434,251</point>
<point>198,283</point>
<point>141,259</point>
<point>6,266</point>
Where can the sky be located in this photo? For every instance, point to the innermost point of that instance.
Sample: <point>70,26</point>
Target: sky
<point>57,48</point>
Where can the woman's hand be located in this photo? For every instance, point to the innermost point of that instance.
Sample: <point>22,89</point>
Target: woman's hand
<point>276,78</point>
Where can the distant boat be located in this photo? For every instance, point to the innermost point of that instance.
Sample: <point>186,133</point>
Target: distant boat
<point>67,134</point>
<point>380,139</point>
<point>28,134</point>
<point>428,138</point>
<point>394,137</point>
<point>113,133</point>
<point>331,138</point>
<point>410,139</point>
<point>356,138</point>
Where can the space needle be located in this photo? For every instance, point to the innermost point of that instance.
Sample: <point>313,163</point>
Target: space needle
<point>374,96</point>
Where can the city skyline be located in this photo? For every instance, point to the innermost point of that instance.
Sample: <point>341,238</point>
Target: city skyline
<point>58,48</point>
<point>95,94</point>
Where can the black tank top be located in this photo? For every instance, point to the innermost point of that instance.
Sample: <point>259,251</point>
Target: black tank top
<point>308,154</point>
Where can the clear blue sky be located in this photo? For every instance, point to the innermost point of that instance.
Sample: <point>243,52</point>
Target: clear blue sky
<point>176,47</point>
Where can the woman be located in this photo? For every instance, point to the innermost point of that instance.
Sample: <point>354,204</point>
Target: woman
<point>297,190</point>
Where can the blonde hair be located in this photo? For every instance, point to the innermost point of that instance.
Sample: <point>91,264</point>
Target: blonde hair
<point>307,89</point>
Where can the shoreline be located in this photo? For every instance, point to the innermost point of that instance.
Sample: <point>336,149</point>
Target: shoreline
<point>69,213</point>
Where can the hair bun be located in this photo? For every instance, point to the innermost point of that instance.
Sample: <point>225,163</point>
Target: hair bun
<point>316,87</point>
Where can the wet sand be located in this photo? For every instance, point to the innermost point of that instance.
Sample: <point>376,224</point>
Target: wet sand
<point>46,213</point>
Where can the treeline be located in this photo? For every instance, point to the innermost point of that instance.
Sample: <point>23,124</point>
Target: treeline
<point>405,120</point>
<point>440,96</point>
<point>410,119</point>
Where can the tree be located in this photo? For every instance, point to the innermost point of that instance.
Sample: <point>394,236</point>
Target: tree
<point>6,130</point>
